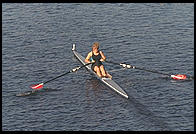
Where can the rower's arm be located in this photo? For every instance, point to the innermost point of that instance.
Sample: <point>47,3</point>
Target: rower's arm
<point>103,58</point>
<point>88,57</point>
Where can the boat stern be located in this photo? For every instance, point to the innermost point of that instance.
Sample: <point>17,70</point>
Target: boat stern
<point>73,47</point>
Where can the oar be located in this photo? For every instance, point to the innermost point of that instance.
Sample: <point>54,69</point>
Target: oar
<point>39,86</point>
<point>176,77</point>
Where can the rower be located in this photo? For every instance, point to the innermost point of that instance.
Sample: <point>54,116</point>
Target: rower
<point>97,57</point>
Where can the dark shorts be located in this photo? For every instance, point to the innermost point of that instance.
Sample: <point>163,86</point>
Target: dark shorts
<point>96,64</point>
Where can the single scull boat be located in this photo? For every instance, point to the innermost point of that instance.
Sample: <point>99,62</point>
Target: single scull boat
<point>108,81</point>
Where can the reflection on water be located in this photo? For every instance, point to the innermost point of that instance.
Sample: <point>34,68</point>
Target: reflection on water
<point>93,88</point>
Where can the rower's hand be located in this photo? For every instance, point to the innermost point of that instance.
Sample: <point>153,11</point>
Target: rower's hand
<point>93,61</point>
<point>102,60</point>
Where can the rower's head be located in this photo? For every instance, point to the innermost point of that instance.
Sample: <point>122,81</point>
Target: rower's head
<point>95,46</point>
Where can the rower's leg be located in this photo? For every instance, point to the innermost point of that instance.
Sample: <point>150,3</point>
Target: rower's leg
<point>103,70</point>
<point>108,75</point>
<point>104,73</point>
<point>97,70</point>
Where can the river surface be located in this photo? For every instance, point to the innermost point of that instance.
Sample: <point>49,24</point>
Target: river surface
<point>36,46</point>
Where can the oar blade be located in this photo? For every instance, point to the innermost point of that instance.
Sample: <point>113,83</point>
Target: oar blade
<point>179,76</point>
<point>37,86</point>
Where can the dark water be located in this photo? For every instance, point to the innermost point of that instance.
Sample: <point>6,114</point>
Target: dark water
<point>37,41</point>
